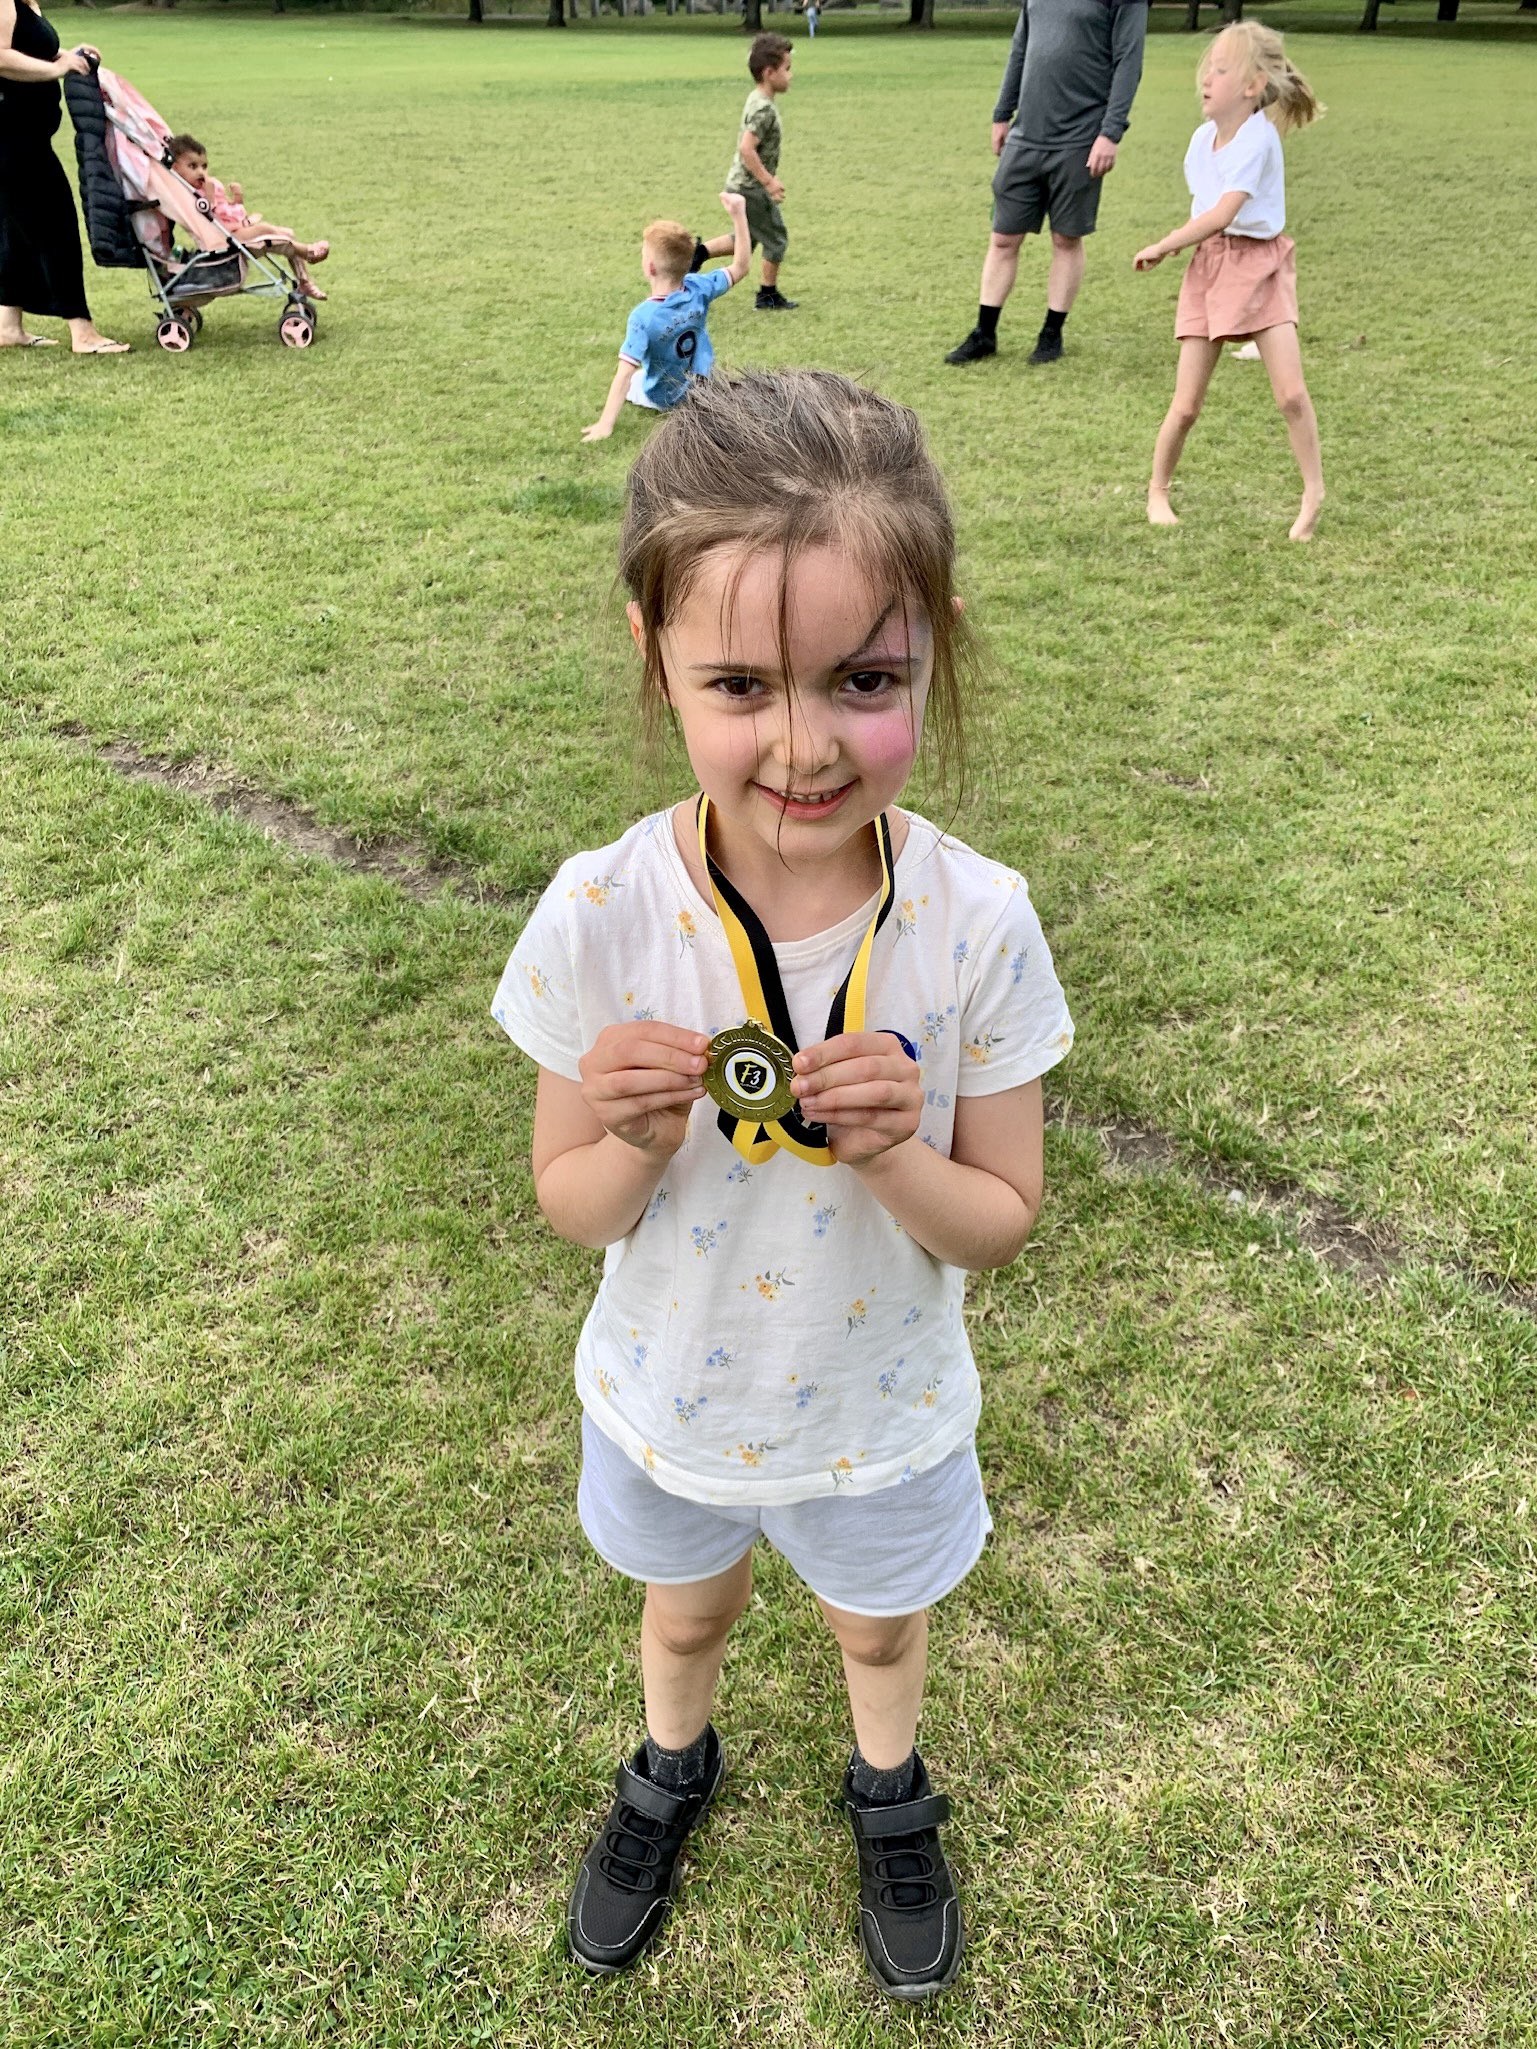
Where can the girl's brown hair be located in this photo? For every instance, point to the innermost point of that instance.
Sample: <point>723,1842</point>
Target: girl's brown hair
<point>781,462</point>
<point>1287,97</point>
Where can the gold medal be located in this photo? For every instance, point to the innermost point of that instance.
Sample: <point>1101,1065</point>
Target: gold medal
<point>749,1073</point>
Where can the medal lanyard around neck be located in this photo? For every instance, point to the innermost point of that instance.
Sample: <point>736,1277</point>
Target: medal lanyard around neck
<point>762,991</point>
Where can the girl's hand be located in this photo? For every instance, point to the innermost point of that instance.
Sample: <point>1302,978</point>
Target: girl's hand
<point>598,431</point>
<point>641,1081</point>
<point>236,193</point>
<point>864,1088</point>
<point>1148,258</point>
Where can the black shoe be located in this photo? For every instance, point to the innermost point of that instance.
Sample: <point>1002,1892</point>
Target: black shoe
<point>909,1914</point>
<point>630,1874</point>
<point>701,257</point>
<point>1048,347</point>
<point>974,348</point>
<point>771,300</point>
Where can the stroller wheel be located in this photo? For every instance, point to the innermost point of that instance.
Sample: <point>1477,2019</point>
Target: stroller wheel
<point>175,333</point>
<point>296,330</point>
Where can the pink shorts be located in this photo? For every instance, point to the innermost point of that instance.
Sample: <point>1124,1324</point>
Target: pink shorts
<point>1235,286</point>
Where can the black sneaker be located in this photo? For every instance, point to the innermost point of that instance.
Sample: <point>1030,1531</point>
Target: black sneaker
<point>771,300</point>
<point>700,258</point>
<point>1048,347</point>
<point>630,1874</point>
<point>974,348</point>
<point>909,1914</point>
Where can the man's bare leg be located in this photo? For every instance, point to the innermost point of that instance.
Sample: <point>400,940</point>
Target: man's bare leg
<point>1000,268</point>
<point>1065,276</point>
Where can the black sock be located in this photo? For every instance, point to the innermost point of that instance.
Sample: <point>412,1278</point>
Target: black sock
<point>873,1787</point>
<point>1053,322</point>
<point>987,321</point>
<point>677,1771</point>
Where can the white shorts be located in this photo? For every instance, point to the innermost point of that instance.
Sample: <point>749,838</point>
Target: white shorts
<point>636,394</point>
<point>889,1553</point>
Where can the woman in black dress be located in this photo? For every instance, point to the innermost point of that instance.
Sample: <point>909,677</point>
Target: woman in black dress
<point>40,264</point>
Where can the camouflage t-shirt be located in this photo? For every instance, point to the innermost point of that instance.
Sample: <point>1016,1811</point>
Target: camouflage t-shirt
<point>762,116</point>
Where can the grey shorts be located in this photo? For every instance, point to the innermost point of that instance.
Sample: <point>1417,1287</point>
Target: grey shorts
<point>889,1553</point>
<point>766,225</point>
<point>1034,185</point>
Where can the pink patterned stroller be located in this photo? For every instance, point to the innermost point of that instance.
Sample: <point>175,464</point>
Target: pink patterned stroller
<point>135,204</point>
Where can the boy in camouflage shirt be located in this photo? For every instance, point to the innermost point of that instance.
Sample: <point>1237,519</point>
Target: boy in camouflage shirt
<point>755,170</point>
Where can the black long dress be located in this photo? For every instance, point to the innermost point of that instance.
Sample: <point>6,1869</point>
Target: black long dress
<point>41,269</point>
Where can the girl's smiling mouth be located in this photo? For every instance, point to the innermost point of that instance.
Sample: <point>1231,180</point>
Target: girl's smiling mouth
<point>805,803</point>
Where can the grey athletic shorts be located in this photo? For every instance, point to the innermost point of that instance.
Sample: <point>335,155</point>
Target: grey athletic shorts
<point>889,1553</point>
<point>1032,185</point>
<point>766,225</point>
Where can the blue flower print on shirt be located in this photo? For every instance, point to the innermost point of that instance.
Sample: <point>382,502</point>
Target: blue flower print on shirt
<point>639,1353</point>
<point>805,1391</point>
<point>705,1238</point>
<point>686,1410</point>
<point>740,1173</point>
<point>655,1206</point>
<point>935,1024</point>
<point>906,1476</point>
<point>720,1358</point>
<point>821,1218</point>
<point>1017,966</point>
<point>914,1315</point>
<point>961,951</point>
<point>888,1381</point>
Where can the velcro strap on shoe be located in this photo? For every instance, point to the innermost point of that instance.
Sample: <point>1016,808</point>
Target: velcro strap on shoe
<point>653,1801</point>
<point>908,1819</point>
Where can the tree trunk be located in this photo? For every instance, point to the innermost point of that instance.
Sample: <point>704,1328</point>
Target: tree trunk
<point>1193,16</point>
<point>557,14</point>
<point>1368,23</point>
<point>477,10</point>
<point>1232,10</point>
<point>921,14</point>
<point>1447,10</point>
<point>752,18</point>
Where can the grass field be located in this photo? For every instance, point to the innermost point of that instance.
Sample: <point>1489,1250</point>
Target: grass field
<point>312,1684</point>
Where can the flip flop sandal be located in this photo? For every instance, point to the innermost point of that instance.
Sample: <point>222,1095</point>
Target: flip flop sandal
<point>104,348</point>
<point>32,341</point>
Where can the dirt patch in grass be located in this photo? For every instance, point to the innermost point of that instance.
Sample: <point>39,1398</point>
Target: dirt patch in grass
<point>401,861</point>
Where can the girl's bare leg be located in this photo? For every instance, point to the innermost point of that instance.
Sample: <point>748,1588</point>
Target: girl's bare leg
<point>885,1661</point>
<point>682,1641</point>
<point>1198,358</point>
<point>1283,359</point>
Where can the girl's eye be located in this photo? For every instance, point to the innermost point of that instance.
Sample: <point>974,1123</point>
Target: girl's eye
<point>739,689</point>
<point>870,682</point>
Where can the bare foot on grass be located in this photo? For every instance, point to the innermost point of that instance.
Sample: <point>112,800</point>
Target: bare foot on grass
<point>1159,511</point>
<point>1305,525</point>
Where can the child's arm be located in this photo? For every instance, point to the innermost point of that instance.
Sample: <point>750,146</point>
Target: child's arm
<point>747,149</point>
<point>1214,221</point>
<point>741,253</point>
<point>613,406</point>
<point>601,1145</point>
<point>972,1210</point>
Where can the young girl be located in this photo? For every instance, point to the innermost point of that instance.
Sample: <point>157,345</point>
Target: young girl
<point>777,1346</point>
<point>1242,280</point>
<point>189,160</point>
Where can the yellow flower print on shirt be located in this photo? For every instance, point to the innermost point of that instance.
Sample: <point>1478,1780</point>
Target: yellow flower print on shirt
<point>752,1454</point>
<point>856,1313</point>
<point>930,1394</point>
<point>980,1050</point>
<point>770,1284</point>
<point>687,930</point>
<point>842,1471</point>
<point>907,915</point>
<point>598,890</point>
<point>538,983</point>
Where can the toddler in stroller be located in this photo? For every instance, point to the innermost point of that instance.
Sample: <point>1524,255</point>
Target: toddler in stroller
<point>189,160</point>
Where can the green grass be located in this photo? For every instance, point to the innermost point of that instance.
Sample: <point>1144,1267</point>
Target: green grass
<point>312,1682</point>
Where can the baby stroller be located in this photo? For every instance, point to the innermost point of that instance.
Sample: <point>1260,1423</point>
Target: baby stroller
<point>135,204</point>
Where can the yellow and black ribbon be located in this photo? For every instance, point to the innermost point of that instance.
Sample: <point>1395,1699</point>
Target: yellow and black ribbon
<point>763,993</point>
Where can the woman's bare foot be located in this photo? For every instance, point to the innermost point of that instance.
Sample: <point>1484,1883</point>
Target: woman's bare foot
<point>22,340</point>
<point>1159,511</point>
<point>86,339</point>
<point>1305,525</point>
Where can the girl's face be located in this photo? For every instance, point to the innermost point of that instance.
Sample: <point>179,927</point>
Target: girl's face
<point>1227,89</point>
<point>800,762</point>
<point>193,167</point>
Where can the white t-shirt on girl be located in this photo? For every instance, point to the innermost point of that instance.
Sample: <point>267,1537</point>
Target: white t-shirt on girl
<point>770,1333</point>
<point>1250,163</point>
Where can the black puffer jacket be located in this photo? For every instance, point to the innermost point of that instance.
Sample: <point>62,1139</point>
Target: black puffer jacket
<point>108,222</point>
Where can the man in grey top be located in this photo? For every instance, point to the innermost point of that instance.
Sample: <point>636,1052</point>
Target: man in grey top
<point>1073,70</point>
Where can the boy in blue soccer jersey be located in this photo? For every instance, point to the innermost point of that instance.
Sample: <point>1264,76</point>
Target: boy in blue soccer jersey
<point>667,342</point>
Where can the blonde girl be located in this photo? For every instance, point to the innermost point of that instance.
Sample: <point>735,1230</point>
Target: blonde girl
<point>778,1347</point>
<point>1242,280</point>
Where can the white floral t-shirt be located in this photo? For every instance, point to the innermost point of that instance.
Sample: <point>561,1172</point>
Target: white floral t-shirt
<point>767,1334</point>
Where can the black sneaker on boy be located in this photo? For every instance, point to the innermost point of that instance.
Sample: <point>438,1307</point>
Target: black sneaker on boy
<point>909,1913</point>
<point>974,348</point>
<point>630,1874</point>
<point>771,300</point>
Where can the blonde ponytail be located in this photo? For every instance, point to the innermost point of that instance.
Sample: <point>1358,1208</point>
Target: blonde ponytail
<point>1287,98</point>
